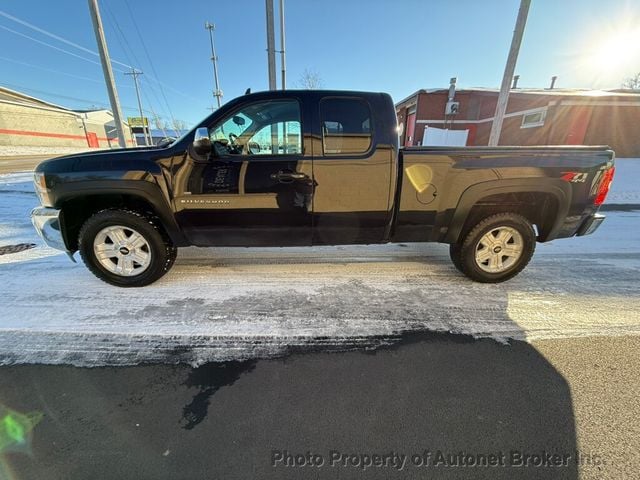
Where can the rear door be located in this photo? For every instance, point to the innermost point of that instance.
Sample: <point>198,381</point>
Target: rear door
<point>352,174</point>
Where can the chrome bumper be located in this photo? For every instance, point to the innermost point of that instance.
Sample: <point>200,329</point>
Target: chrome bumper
<point>47,224</point>
<point>590,225</point>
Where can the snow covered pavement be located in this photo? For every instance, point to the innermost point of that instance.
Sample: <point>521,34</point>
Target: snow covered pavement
<point>233,303</point>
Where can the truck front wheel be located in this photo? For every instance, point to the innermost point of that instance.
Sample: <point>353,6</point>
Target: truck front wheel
<point>125,248</point>
<point>496,249</point>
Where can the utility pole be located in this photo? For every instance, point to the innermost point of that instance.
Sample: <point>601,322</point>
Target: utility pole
<point>145,128</point>
<point>503,97</point>
<point>271,60</point>
<point>283,61</point>
<point>217,92</point>
<point>108,73</point>
<point>271,46</point>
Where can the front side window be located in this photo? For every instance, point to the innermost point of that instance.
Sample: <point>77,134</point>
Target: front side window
<point>265,128</point>
<point>346,126</point>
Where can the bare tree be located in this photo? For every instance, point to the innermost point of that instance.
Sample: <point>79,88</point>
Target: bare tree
<point>159,122</point>
<point>179,124</point>
<point>632,82</point>
<point>309,80</point>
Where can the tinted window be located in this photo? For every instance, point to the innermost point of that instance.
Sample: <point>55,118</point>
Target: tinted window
<point>346,126</point>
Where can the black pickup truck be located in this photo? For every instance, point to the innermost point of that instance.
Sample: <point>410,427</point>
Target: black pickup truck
<point>286,168</point>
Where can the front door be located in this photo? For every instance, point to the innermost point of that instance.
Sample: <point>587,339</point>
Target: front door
<point>256,186</point>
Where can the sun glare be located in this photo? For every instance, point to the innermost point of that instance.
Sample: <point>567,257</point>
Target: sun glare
<point>615,51</point>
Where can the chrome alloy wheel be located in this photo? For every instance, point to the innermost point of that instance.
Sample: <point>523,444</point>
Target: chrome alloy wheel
<point>499,249</point>
<point>122,250</point>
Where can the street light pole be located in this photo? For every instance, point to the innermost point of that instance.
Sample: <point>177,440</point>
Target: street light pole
<point>145,128</point>
<point>510,67</point>
<point>107,71</point>
<point>217,92</point>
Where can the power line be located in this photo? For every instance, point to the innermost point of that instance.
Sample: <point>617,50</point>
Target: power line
<point>122,38</point>
<point>50,46</point>
<point>22,88</point>
<point>56,37</point>
<point>51,70</point>
<point>87,50</point>
<point>69,42</point>
<point>146,52</point>
<point>52,94</point>
<point>126,48</point>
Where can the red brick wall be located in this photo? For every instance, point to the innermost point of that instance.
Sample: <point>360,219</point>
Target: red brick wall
<point>587,123</point>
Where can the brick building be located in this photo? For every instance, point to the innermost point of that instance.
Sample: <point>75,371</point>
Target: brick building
<point>534,117</point>
<point>29,121</point>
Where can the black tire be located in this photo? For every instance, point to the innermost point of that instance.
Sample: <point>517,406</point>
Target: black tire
<point>454,253</point>
<point>162,252</point>
<point>509,265</point>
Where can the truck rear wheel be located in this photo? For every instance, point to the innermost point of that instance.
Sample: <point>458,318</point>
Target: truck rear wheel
<point>125,248</point>
<point>497,248</point>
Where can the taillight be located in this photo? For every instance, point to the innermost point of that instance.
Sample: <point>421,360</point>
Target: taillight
<point>605,185</point>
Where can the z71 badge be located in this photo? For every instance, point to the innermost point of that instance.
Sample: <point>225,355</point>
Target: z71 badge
<point>574,177</point>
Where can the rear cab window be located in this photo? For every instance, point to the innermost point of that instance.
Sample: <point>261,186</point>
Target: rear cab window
<point>346,126</point>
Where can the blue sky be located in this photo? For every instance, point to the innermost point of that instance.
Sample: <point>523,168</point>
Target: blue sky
<point>394,46</point>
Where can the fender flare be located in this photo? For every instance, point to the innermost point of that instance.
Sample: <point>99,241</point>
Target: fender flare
<point>147,191</point>
<point>470,197</point>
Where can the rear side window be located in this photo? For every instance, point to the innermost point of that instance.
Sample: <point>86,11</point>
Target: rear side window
<point>346,126</point>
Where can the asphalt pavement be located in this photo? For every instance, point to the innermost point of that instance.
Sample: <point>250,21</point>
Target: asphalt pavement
<point>432,406</point>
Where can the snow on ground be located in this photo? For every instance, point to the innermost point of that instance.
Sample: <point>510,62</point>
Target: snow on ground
<point>233,303</point>
<point>17,199</point>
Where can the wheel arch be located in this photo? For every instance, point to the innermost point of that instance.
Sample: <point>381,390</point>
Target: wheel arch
<point>544,205</point>
<point>78,204</point>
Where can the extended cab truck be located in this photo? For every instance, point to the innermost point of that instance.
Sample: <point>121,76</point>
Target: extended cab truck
<point>285,168</point>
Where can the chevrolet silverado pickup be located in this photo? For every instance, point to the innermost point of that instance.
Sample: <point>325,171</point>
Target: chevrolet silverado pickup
<point>292,168</point>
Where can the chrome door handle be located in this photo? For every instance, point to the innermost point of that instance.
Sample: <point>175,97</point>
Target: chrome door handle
<point>288,176</point>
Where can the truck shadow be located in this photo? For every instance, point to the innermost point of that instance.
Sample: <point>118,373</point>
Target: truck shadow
<point>447,398</point>
<point>457,401</point>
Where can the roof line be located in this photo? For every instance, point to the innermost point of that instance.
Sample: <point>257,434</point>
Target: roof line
<point>29,97</point>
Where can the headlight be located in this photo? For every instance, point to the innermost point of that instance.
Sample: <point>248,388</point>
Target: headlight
<point>40,184</point>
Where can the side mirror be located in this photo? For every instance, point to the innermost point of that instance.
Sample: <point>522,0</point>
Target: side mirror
<point>201,141</point>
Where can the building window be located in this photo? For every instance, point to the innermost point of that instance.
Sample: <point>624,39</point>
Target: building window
<point>346,126</point>
<point>534,118</point>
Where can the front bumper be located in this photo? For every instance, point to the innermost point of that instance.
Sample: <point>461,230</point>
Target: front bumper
<point>47,223</point>
<point>590,225</point>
